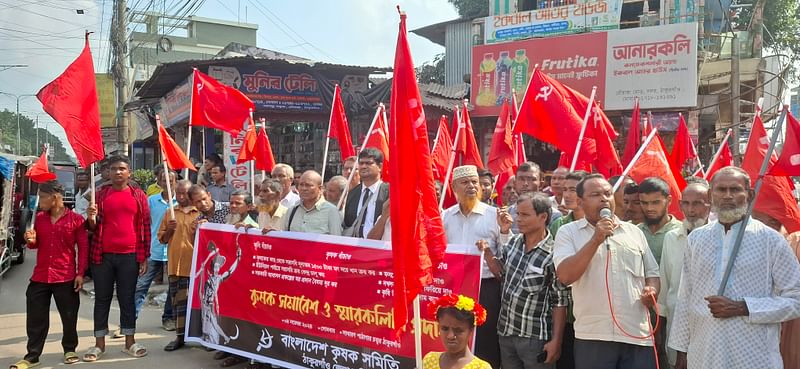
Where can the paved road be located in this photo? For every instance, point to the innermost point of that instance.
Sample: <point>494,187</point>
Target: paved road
<point>149,332</point>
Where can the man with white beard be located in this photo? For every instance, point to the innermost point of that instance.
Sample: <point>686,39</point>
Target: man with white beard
<point>694,205</point>
<point>742,330</point>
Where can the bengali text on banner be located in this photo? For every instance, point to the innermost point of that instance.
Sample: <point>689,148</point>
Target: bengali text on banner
<point>302,300</point>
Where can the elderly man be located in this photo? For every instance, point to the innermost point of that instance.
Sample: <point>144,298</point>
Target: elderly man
<point>270,211</point>
<point>628,287</point>
<point>313,214</point>
<point>742,328</point>
<point>365,201</point>
<point>178,234</point>
<point>465,223</point>
<point>533,308</point>
<point>695,207</point>
<point>334,189</point>
<point>285,175</point>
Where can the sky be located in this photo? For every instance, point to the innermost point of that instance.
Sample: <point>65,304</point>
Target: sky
<point>47,35</point>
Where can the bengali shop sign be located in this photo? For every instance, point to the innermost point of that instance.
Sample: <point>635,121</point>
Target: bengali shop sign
<point>310,301</point>
<point>237,175</point>
<point>660,68</point>
<point>559,20</point>
<point>657,64</point>
<point>273,90</point>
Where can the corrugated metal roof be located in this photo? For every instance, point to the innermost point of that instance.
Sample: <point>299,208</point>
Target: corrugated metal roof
<point>168,75</point>
<point>436,32</point>
<point>456,92</point>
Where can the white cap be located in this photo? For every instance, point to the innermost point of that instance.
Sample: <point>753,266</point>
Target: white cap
<point>465,171</point>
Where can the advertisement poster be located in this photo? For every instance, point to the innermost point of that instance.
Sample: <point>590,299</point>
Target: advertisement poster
<point>559,20</point>
<point>302,300</point>
<point>657,64</point>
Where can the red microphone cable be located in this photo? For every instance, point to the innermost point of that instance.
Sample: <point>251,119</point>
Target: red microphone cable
<point>651,336</point>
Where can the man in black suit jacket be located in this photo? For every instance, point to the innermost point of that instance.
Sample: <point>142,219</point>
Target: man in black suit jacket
<point>365,201</point>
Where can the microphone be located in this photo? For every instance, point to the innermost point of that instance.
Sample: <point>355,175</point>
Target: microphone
<point>605,213</point>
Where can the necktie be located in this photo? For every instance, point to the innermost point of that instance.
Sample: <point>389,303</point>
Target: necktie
<point>363,213</point>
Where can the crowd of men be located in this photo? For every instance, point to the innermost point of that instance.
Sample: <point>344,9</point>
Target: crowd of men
<point>572,275</point>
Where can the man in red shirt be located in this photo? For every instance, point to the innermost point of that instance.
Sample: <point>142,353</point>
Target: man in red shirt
<point>58,273</point>
<point>118,254</point>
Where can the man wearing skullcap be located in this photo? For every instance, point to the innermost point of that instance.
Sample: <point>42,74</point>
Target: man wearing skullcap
<point>465,223</point>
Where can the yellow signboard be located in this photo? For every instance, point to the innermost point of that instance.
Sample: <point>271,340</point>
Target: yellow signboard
<point>106,98</point>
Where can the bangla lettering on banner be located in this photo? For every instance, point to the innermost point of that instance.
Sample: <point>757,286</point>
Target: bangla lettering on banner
<point>303,300</point>
<point>237,175</point>
<point>558,20</point>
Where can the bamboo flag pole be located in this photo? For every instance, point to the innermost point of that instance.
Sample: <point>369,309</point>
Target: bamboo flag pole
<point>417,333</point>
<point>189,135</point>
<point>343,199</point>
<point>263,122</point>
<point>166,172</point>
<point>93,187</point>
<point>252,167</point>
<point>452,157</point>
<point>776,132</point>
<point>583,129</point>
<point>635,158</point>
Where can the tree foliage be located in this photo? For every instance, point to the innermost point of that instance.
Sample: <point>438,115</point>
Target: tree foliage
<point>432,71</point>
<point>8,137</point>
<point>781,22</point>
<point>471,8</point>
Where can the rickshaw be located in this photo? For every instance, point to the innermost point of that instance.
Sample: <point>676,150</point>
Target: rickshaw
<point>17,208</point>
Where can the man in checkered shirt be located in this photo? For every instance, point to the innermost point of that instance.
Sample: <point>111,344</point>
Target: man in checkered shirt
<point>533,308</point>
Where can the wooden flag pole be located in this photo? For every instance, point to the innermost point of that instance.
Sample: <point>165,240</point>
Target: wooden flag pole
<point>452,158</point>
<point>583,129</point>
<point>189,135</point>
<point>776,132</point>
<point>167,170</point>
<point>635,158</point>
<point>343,199</point>
<point>93,187</point>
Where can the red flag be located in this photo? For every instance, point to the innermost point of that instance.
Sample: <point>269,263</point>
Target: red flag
<point>467,147</point>
<point>379,139</point>
<point>607,161</point>
<point>71,99</point>
<point>647,126</point>
<point>418,238</point>
<point>441,151</point>
<point>776,197</point>
<point>39,172</point>
<point>653,163</point>
<point>634,139</point>
<point>723,159</point>
<point>501,153</point>
<point>247,152</point>
<point>218,106</point>
<point>788,163</point>
<point>338,128</point>
<point>175,157</point>
<point>519,144</point>
<point>683,148</point>
<point>263,151</point>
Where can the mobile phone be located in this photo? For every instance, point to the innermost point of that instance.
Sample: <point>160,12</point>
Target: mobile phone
<point>541,357</point>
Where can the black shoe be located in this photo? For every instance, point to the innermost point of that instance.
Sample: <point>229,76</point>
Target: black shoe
<point>174,345</point>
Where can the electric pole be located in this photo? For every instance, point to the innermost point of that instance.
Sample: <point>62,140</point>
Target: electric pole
<point>119,70</point>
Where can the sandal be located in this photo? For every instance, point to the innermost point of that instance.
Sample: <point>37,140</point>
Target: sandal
<point>71,358</point>
<point>232,360</point>
<point>24,364</point>
<point>136,350</point>
<point>219,355</point>
<point>93,354</point>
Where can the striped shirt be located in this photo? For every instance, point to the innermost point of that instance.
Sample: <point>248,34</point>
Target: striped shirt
<point>530,290</point>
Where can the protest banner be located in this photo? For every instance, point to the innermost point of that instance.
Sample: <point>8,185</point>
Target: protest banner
<point>303,300</point>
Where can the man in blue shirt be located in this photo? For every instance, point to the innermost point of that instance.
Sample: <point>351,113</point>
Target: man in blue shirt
<point>159,207</point>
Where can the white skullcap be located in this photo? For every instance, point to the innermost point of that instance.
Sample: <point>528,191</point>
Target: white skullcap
<point>465,171</point>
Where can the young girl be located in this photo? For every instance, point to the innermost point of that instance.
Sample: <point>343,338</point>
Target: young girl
<point>457,316</point>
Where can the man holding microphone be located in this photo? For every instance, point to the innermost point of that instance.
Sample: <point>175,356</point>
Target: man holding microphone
<point>614,279</point>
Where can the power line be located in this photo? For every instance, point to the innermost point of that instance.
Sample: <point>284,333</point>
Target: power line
<point>304,41</point>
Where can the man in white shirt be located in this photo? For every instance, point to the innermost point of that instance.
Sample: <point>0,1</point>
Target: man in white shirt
<point>741,328</point>
<point>465,223</point>
<point>81,189</point>
<point>615,335</point>
<point>365,201</point>
<point>695,206</point>
<point>312,214</point>
<point>285,175</point>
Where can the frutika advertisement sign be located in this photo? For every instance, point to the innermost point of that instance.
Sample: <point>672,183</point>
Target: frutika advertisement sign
<point>302,300</point>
